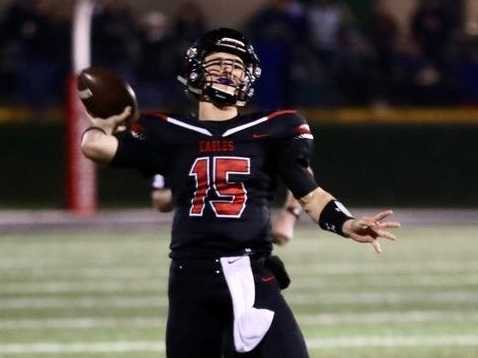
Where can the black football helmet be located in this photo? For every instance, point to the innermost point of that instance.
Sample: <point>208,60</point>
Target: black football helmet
<point>194,76</point>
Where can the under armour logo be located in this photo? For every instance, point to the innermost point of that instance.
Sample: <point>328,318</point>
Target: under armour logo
<point>330,227</point>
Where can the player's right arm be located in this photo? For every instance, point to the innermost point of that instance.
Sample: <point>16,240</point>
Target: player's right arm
<point>98,142</point>
<point>108,142</point>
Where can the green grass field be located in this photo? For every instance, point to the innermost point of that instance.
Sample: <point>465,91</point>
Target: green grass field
<point>98,295</point>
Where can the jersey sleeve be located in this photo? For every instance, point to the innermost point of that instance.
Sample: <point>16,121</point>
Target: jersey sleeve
<point>136,150</point>
<point>293,150</point>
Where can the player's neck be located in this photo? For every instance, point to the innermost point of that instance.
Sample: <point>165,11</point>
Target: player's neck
<point>209,112</point>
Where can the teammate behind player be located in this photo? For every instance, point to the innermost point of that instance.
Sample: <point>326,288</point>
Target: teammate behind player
<point>222,168</point>
<point>161,195</point>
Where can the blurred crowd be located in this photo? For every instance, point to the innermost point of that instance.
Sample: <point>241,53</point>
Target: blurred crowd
<point>314,53</point>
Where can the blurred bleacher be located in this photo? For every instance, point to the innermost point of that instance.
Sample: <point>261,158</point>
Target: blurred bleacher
<point>325,53</point>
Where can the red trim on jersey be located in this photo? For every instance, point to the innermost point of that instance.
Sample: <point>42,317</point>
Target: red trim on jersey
<point>157,114</point>
<point>137,127</point>
<point>281,112</point>
<point>303,129</point>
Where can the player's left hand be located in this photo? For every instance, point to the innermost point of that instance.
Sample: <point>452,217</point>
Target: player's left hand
<point>371,229</point>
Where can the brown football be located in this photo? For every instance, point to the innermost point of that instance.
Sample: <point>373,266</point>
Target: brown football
<point>104,93</point>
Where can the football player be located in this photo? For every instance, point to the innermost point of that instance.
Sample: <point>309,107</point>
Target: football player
<point>224,298</point>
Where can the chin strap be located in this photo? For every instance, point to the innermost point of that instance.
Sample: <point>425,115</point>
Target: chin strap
<point>220,98</point>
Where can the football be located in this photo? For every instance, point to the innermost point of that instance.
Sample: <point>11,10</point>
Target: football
<point>104,93</point>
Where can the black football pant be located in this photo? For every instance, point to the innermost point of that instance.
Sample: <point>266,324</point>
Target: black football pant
<point>200,314</point>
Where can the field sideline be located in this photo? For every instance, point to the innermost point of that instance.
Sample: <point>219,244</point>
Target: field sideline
<point>96,294</point>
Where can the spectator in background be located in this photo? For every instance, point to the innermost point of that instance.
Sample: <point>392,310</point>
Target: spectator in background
<point>467,70</point>
<point>17,24</point>
<point>432,28</point>
<point>327,18</point>
<point>277,32</point>
<point>115,39</point>
<point>342,49</point>
<point>39,32</point>
<point>354,68</point>
<point>383,36</point>
<point>188,22</point>
<point>420,82</point>
<point>186,25</point>
<point>314,56</point>
<point>154,61</point>
<point>60,18</point>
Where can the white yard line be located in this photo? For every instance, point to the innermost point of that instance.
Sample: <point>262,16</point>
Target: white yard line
<point>314,343</point>
<point>382,297</point>
<point>81,323</point>
<point>83,347</point>
<point>119,286</point>
<point>322,319</point>
<point>446,267</point>
<point>155,301</point>
<point>386,317</point>
<point>85,302</point>
<point>424,280</point>
<point>66,271</point>
<point>143,216</point>
<point>34,262</point>
<point>160,286</point>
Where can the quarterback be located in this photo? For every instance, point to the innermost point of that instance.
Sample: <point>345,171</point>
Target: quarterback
<point>224,293</point>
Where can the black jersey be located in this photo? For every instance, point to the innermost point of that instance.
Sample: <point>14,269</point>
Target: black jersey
<point>222,175</point>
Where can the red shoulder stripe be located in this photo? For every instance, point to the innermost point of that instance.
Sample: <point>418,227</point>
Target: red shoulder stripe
<point>158,115</point>
<point>281,112</point>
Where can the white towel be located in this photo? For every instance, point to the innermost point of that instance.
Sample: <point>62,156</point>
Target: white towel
<point>250,324</point>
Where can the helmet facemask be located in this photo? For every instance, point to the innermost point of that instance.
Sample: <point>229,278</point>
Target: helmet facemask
<point>226,79</point>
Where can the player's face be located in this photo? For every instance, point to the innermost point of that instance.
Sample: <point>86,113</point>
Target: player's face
<point>225,71</point>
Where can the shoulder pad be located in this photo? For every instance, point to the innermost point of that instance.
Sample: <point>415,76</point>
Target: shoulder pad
<point>288,124</point>
<point>147,123</point>
<point>151,120</point>
<point>154,116</point>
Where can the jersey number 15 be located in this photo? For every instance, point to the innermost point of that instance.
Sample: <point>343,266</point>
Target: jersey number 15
<point>234,193</point>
